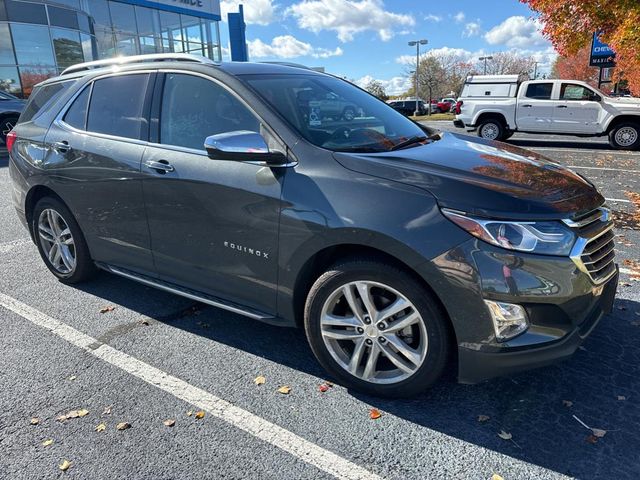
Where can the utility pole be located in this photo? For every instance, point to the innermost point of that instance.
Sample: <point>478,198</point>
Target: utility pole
<point>485,62</point>
<point>417,43</point>
<point>535,70</point>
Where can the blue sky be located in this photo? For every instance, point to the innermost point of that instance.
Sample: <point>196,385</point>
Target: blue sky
<point>367,39</point>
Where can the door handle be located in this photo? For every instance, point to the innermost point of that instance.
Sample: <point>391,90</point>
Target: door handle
<point>161,166</point>
<point>527,106</point>
<point>62,147</point>
<point>561,106</point>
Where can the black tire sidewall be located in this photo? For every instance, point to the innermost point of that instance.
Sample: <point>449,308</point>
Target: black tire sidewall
<point>435,322</point>
<point>85,268</point>
<point>498,123</point>
<point>612,136</point>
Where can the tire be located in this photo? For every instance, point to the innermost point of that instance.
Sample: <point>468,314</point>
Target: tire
<point>349,114</point>
<point>625,136</point>
<point>491,128</point>
<point>6,125</point>
<point>71,246</point>
<point>426,340</point>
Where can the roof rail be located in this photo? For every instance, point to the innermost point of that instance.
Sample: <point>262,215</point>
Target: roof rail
<point>289,64</point>
<point>154,57</point>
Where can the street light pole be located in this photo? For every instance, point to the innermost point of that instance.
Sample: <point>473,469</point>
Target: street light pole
<point>485,62</point>
<point>535,70</point>
<point>417,44</point>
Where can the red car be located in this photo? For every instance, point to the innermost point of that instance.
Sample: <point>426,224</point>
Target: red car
<point>445,104</point>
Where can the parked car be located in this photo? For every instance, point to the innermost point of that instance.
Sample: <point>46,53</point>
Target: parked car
<point>408,107</point>
<point>445,104</point>
<point>401,251</point>
<point>497,106</point>
<point>10,109</point>
<point>319,105</point>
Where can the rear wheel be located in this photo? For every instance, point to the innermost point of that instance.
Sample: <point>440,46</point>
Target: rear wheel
<point>625,136</point>
<point>60,241</point>
<point>6,125</point>
<point>376,329</point>
<point>491,129</point>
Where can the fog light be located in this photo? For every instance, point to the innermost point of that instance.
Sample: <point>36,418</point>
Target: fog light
<point>509,319</point>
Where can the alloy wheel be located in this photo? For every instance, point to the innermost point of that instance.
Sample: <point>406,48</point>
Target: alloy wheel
<point>490,131</point>
<point>626,136</point>
<point>57,241</point>
<point>374,332</point>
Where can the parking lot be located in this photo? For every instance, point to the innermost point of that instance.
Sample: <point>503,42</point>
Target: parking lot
<point>152,357</point>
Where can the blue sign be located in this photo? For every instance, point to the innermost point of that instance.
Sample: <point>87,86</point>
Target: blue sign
<point>601,53</point>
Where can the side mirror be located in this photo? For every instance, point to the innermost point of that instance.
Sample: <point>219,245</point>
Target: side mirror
<point>243,146</point>
<point>594,97</point>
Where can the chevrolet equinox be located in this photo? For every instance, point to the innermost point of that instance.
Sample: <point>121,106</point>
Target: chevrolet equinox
<point>403,252</point>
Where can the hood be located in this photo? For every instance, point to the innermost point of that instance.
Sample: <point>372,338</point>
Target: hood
<point>484,178</point>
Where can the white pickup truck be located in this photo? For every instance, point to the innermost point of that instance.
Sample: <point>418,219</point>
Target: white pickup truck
<point>499,105</point>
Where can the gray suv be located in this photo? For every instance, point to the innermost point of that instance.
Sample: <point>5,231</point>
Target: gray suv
<point>402,252</point>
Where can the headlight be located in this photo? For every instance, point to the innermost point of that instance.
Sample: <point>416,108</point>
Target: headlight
<point>549,238</point>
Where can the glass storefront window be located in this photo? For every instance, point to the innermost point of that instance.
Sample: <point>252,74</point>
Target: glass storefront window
<point>26,12</point>
<point>83,23</point>
<point>32,75</point>
<point>68,3</point>
<point>126,44</point>
<point>6,46</point>
<point>10,81</point>
<point>191,27</point>
<point>67,47</point>
<point>88,48</point>
<point>148,21</point>
<point>63,17</point>
<point>123,17</point>
<point>104,43</point>
<point>169,23</point>
<point>99,10</point>
<point>32,45</point>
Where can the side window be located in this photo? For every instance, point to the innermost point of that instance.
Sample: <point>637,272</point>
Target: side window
<point>540,91</point>
<point>194,108</point>
<point>571,91</point>
<point>76,116</point>
<point>41,97</point>
<point>116,106</point>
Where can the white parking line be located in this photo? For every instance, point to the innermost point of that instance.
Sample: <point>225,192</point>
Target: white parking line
<point>604,168</point>
<point>628,272</point>
<point>617,200</point>
<point>577,149</point>
<point>254,425</point>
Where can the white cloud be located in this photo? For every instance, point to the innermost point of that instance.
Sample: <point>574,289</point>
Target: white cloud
<point>348,17</point>
<point>517,32</point>
<point>471,29</point>
<point>287,46</point>
<point>433,18</point>
<point>459,17</point>
<point>261,12</point>
<point>393,86</point>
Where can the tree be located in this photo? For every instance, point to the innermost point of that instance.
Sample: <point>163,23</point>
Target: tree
<point>507,63</point>
<point>570,25</point>
<point>439,75</point>
<point>374,87</point>
<point>576,67</point>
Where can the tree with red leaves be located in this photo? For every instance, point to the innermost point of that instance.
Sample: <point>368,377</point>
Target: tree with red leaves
<point>570,25</point>
<point>576,67</point>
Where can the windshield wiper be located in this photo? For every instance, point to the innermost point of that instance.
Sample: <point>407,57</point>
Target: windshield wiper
<point>409,141</point>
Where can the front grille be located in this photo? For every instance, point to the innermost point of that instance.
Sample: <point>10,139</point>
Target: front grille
<point>594,251</point>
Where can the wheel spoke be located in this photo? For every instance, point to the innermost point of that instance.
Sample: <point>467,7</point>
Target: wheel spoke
<point>356,357</point>
<point>52,218</point>
<point>66,257</point>
<point>396,359</point>
<point>372,360</point>
<point>65,236</point>
<point>341,334</point>
<point>352,302</point>
<point>396,307</point>
<point>404,322</point>
<point>46,232</point>
<point>409,353</point>
<point>367,300</point>
<point>333,321</point>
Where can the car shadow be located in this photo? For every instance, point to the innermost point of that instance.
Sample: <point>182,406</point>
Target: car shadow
<point>536,407</point>
<point>573,144</point>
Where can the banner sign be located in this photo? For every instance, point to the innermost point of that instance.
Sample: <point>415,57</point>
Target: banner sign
<point>601,53</point>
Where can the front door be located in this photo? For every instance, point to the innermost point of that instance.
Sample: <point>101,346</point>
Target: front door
<point>577,111</point>
<point>213,223</point>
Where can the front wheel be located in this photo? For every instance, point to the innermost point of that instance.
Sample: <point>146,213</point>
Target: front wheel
<point>625,136</point>
<point>491,129</point>
<point>376,329</point>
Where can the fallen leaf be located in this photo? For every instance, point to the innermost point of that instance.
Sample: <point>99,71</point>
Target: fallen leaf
<point>107,410</point>
<point>169,422</point>
<point>285,390</point>
<point>323,387</point>
<point>48,442</point>
<point>505,435</point>
<point>374,414</point>
<point>110,308</point>
<point>567,403</point>
<point>34,421</point>
<point>483,418</point>
<point>73,414</point>
<point>189,413</point>
<point>328,383</point>
<point>123,425</point>
<point>101,427</point>
<point>495,476</point>
<point>64,466</point>
<point>621,397</point>
<point>199,414</point>
<point>592,439</point>
<point>72,378</point>
<point>598,433</point>
<point>259,380</point>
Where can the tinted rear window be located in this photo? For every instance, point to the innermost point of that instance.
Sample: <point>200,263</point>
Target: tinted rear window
<point>540,91</point>
<point>76,116</point>
<point>42,97</point>
<point>116,106</point>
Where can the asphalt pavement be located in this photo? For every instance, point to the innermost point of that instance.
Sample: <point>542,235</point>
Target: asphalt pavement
<point>157,357</point>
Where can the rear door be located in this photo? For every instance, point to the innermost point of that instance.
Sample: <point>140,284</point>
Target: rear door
<point>577,111</point>
<point>535,109</point>
<point>93,152</point>
<point>213,223</point>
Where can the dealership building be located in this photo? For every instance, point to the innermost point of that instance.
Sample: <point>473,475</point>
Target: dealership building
<point>39,39</point>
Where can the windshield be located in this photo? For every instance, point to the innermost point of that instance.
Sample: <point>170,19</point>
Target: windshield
<point>333,114</point>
